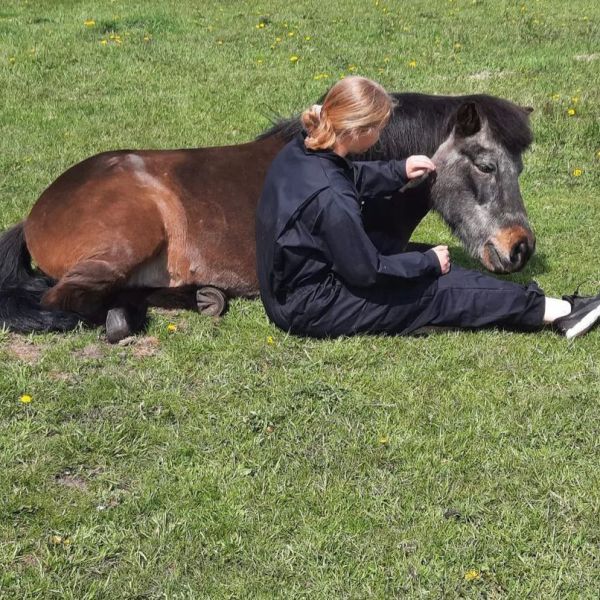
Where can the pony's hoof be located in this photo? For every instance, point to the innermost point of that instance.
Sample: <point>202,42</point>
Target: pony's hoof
<point>211,301</point>
<point>117,325</point>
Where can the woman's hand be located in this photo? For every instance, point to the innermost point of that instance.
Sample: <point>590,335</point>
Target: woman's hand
<point>444,258</point>
<point>418,165</point>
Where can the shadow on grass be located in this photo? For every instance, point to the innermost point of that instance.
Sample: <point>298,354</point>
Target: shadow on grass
<point>537,265</point>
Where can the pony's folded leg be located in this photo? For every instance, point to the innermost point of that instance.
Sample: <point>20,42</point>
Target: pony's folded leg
<point>211,301</point>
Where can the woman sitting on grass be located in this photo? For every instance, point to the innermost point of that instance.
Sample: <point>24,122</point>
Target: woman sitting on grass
<point>321,275</point>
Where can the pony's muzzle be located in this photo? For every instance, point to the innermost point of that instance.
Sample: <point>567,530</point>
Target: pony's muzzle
<point>509,250</point>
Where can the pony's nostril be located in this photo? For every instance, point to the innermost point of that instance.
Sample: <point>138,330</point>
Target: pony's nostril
<point>518,252</point>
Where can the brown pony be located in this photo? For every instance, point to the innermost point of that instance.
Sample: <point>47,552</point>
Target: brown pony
<point>126,229</point>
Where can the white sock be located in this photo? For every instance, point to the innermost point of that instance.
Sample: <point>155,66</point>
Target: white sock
<point>556,308</point>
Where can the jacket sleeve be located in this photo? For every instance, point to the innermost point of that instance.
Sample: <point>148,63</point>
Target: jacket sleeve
<point>379,177</point>
<point>354,256</point>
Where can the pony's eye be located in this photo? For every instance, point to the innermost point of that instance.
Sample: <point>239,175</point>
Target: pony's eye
<point>485,167</point>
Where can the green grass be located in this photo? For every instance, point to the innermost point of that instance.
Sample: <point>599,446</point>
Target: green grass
<point>228,460</point>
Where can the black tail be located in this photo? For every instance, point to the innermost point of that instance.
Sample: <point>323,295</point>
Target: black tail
<point>21,289</point>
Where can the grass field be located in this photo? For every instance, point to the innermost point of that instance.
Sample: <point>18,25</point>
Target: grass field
<point>228,460</point>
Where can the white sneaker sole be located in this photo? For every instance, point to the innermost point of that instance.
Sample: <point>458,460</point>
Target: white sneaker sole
<point>584,325</point>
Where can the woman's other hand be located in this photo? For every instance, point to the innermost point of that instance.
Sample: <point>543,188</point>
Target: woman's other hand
<point>444,257</point>
<point>418,165</point>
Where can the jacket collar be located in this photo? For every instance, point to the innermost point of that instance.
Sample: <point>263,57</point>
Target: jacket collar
<point>327,154</point>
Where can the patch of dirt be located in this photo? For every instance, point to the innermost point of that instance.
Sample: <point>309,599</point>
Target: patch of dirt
<point>24,350</point>
<point>486,74</point>
<point>92,351</point>
<point>70,480</point>
<point>61,376</point>
<point>148,345</point>
<point>29,560</point>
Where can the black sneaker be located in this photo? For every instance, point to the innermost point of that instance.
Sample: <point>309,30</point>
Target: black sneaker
<point>583,316</point>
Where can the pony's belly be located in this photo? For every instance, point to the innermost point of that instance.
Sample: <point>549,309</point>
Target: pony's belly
<point>153,273</point>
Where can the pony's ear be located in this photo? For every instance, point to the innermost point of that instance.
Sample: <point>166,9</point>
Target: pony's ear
<point>468,121</point>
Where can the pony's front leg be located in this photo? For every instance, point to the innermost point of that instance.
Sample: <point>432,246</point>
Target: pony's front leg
<point>211,301</point>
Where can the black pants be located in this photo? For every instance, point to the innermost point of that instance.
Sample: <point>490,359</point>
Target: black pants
<point>462,298</point>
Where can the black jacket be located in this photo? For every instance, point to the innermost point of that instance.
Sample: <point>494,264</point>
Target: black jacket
<point>309,230</point>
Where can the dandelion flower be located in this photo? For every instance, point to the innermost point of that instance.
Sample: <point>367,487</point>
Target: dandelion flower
<point>56,539</point>
<point>555,97</point>
<point>278,39</point>
<point>261,25</point>
<point>25,399</point>
<point>352,68</point>
<point>103,42</point>
<point>575,99</point>
<point>270,340</point>
<point>12,59</point>
<point>294,59</point>
<point>598,154</point>
<point>577,172</point>
<point>571,112</point>
<point>171,328</point>
<point>307,38</point>
<point>472,575</point>
<point>412,64</point>
<point>384,440</point>
<point>89,22</point>
<point>320,76</point>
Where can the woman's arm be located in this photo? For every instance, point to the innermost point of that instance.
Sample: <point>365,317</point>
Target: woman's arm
<point>354,256</point>
<point>382,177</point>
<point>374,178</point>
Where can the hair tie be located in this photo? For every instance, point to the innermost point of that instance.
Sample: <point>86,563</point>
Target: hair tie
<point>317,109</point>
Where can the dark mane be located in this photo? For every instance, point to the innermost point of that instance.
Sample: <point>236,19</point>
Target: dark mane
<point>421,122</point>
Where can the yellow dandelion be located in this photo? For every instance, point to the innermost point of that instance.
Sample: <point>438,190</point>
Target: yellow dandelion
<point>384,440</point>
<point>575,99</point>
<point>261,25</point>
<point>277,40</point>
<point>25,399</point>
<point>273,47</point>
<point>67,542</point>
<point>294,59</point>
<point>56,539</point>
<point>577,172</point>
<point>103,42</point>
<point>571,112</point>
<point>291,33</point>
<point>12,59</point>
<point>352,68</point>
<point>270,340</point>
<point>472,575</point>
<point>555,97</point>
<point>259,61</point>
<point>171,328</point>
<point>89,22</point>
<point>598,154</point>
<point>386,59</point>
<point>320,76</point>
<point>146,38</point>
<point>457,46</point>
<point>307,38</point>
<point>220,42</point>
<point>412,64</point>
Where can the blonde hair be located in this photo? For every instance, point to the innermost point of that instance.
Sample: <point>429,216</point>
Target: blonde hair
<point>352,106</point>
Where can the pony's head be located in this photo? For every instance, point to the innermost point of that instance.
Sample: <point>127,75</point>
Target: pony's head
<point>476,185</point>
